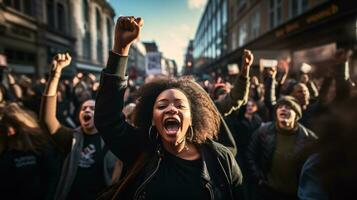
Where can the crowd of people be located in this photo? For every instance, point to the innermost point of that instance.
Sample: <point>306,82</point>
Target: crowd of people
<point>248,137</point>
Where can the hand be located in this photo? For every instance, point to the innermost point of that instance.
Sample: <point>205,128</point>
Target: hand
<point>304,78</point>
<point>60,61</point>
<point>127,30</point>
<point>271,71</point>
<point>11,79</point>
<point>247,62</point>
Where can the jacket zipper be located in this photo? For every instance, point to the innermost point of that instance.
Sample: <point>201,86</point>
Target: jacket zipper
<point>208,186</point>
<point>147,180</point>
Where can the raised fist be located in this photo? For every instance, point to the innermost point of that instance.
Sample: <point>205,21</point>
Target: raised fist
<point>127,30</point>
<point>247,62</point>
<point>61,61</point>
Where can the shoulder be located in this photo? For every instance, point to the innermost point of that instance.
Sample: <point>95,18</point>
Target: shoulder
<point>307,132</point>
<point>266,128</point>
<point>219,149</point>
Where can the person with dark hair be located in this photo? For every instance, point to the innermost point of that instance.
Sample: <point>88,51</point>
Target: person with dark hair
<point>29,164</point>
<point>88,166</point>
<point>170,148</point>
<point>273,149</point>
<point>242,124</point>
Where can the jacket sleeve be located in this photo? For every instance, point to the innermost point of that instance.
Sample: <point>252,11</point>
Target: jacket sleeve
<point>236,98</point>
<point>252,154</point>
<point>120,137</point>
<point>270,95</point>
<point>237,178</point>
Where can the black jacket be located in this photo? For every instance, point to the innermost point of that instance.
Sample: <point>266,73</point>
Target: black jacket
<point>262,146</point>
<point>130,146</point>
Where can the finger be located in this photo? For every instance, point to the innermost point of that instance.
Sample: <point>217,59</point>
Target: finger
<point>139,21</point>
<point>127,24</point>
<point>68,57</point>
<point>121,22</point>
<point>56,57</point>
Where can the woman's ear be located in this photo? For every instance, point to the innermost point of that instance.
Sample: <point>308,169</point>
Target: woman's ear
<point>11,131</point>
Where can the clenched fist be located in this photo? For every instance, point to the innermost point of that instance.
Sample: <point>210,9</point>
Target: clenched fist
<point>60,61</point>
<point>247,62</point>
<point>127,30</point>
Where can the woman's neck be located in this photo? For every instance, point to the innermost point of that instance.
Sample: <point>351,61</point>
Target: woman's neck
<point>184,150</point>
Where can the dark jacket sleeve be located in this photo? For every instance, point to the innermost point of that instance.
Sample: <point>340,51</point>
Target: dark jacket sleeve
<point>226,138</point>
<point>270,95</point>
<point>120,137</point>
<point>252,154</point>
<point>236,98</point>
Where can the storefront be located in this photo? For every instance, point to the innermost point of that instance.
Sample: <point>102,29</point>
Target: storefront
<point>312,37</point>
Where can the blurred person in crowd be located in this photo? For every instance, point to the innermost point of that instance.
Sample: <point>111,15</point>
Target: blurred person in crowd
<point>29,164</point>
<point>242,124</point>
<point>89,165</point>
<point>170,149</point>
<point>273,149</point>
<point>311,108</point>
<point>330,172</point>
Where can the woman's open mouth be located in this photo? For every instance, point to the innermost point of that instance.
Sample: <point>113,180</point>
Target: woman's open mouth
<point>172,126</point>
<point>86,118</point>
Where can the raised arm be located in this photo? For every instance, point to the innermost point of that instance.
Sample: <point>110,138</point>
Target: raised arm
<point>49,98</point>
<point>14,87</point>
<point>239,93</point>
<point>121,138</point>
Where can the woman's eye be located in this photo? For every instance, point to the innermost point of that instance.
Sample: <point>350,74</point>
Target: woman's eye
<point>161,107</point>
<point>181,106</point>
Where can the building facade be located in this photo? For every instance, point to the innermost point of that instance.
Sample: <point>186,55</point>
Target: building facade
<point>211,39</point>
<point>296,31</point>
<point>188,62</point>
<point>93,28</point>
<point>33,31</point>
<point>136,60</point>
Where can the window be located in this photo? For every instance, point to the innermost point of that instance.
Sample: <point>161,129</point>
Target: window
<point>28,7</point>
<point>242,35</point>
<point>234,40</point>
<point>50,15</point>
<point>242,4</point>
<point>109,31</point>
<point>224,13</point>
<point>60,17</point>
<point>275,13</point>
<point>99,37</point>
<point>86,46</point>
<point>297,7</point>
<point>14,4</point>
<point>85,13</point>
<point>255,25</point>
<point>98,23</point>
<point>24,6</point>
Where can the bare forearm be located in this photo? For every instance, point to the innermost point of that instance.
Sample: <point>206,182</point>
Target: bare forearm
<point>51,87</point>
<point>48,113</point>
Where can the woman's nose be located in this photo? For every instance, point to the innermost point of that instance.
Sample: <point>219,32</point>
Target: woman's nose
<point>172,109</point>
